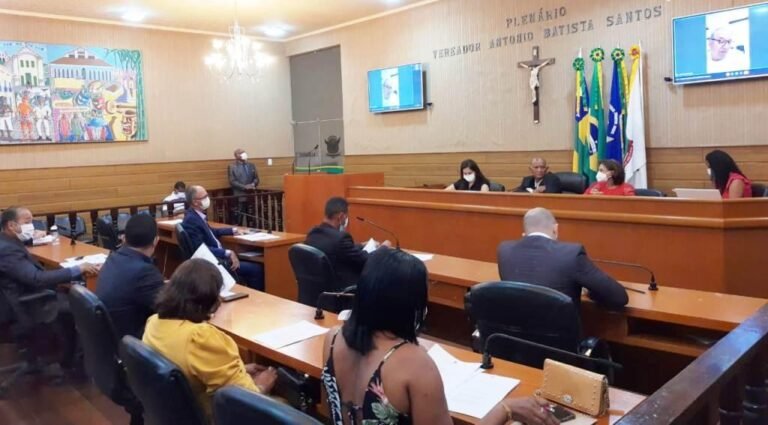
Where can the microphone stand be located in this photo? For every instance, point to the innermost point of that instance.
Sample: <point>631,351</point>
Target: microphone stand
<point>268,221</point>
<point>652,285</point>
<point>391,233</point>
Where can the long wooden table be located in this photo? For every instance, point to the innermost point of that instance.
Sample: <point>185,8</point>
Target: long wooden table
<point>244,319</point>
<point>714,246</point>
<point>278,274</point>
<point>51,256</point>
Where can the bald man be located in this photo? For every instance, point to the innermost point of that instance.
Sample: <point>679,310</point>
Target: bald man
<point>540,180</point>
<point>539,259</point>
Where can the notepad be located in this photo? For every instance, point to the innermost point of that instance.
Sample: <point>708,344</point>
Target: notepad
<point>467,389</point>
<point>258,237</point>
<point>370,246</point>
<point>91,259</point>
<point>289,335</point>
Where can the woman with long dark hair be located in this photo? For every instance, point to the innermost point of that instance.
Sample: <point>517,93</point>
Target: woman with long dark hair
<point>376,372</point>
<point>726,176</point>
<point>471,178</point>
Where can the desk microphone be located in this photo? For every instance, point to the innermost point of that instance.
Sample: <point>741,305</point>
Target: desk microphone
<point>269,222</point>
<point>309,158</point>
<point>370,223</point>
<point>652,286</point>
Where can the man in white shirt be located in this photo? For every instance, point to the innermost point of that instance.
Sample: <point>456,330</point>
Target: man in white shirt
<point>178,194</point>
<point>723,54</point>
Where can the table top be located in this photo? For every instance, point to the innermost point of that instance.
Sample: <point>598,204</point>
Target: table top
<point>283,237</point>
<point>53,255</point>
<point>245,318</point>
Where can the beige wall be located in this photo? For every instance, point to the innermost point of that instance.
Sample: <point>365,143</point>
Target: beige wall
<point>191,116</point>
<point>482,100</point>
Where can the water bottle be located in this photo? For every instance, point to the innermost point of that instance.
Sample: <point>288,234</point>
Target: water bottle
<point>55,234</point>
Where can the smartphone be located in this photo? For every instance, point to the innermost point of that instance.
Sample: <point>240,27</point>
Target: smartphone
<point>234,296</point>
<point>561,413</point>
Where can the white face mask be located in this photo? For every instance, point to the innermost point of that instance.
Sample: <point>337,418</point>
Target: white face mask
<point>206,203</point>
<point>344,225</point>
<point>470,178</point>
<point>709,172</point>
<point>27,232</point>
<point>244,156</point>
<point>602,177</point>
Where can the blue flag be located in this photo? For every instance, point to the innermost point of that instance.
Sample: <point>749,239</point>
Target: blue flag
<point>617,115</point>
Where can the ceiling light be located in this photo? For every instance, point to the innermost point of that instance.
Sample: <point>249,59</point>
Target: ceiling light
<point>275,31</point>
<point>134,16</point>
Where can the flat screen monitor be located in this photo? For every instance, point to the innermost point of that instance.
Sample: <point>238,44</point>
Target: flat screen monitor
<point>396,89</point>
<point>722,45</point>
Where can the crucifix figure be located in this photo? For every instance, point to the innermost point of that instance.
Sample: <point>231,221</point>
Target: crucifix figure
<point>534,66</point>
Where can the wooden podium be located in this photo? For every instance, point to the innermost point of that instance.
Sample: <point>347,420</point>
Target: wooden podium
<point>306,195</point>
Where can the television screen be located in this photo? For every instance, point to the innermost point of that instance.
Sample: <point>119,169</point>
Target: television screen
<point>722,45</point>
<point>396,89</point>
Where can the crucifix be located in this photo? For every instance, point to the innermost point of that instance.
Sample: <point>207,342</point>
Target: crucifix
<point>534,66</point>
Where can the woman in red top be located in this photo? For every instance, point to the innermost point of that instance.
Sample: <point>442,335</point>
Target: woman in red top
<point>726,176</point>
<point>610,180</point>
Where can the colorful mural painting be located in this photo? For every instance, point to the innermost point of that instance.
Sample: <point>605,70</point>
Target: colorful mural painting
<point>53,93</point>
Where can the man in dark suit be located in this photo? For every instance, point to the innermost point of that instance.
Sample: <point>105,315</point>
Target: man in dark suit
<point>128,281</point>
<point>195,223</point>
<point>539,259</point>
<point>540,180</point>
<point>331,237</point>
<point>21,274</point>
<point>243,178</point>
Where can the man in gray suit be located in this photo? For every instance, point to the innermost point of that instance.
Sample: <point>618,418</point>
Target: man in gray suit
<point>243,178</point>
<point>539,259</point>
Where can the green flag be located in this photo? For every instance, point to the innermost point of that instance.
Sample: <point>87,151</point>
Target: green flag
<point>596,110</point>
<point>584,156</point>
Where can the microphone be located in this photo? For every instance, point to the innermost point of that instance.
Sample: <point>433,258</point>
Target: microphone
<point>269,222</point>
<point>309,158</point>
<point>369,222</point>
<point>652,286</point>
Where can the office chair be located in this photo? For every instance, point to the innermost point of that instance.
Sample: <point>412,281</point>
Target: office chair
<point>65,227</point>
<point>530,312</point>
<point>314,273</point>
<point>759,190</point>
<point>235,405</point>
<point>22,330</point>
<point>572,183</point>
<point>185,244</point>
<point>106,235</point>
<point>497,187</point>
<point>160,386</point>
<point>649,193</point>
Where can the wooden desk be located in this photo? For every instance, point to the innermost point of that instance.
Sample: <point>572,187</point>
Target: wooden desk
<point>278,274</point>
<point>713,246</point>
<point>51,256</point>
<point>260,312</point>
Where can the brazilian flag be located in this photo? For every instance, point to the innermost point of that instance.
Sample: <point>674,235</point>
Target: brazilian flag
<point>584,153</point>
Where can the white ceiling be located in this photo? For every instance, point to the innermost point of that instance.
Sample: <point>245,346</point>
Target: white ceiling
<point>294,17</point>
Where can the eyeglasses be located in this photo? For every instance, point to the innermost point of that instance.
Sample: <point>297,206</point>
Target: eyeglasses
<point>721,41</point>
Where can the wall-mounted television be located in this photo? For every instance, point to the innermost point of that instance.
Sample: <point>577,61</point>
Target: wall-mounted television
<point>396,89</point>
<point>722,45</point>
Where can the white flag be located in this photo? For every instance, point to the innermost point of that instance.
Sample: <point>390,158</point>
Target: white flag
<point>634,159</point>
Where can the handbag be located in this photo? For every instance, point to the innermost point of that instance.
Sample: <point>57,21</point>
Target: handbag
<point>576,388</point>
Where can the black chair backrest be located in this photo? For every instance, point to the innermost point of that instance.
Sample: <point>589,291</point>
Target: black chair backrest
<point>573,183</point>
<point>497,187</point>
<point>235,406</point>
<point>185,244</point>
<point>759,190</point>
<point>649,193</point>
<point>106,234</point>
<point>99,342</point>
<point>314,273</point>
<point>160,385</point>
<point>534,313</point>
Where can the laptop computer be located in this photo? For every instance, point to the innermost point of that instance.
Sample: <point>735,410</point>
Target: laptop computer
<point>704,194</point>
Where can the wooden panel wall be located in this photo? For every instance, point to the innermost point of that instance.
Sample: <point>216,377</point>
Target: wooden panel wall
<point>61,189</point>
<point>668,168</point>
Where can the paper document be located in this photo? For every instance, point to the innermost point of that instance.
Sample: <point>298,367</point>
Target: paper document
<point>467,389</point>
<point>92,259</point>
<point>370,246</point>
<point>229,282</point>
<point>424,257</point>
<point>291,334</point>
<point>172,222</point>
<point>259,236</point>
<point>45,240</point>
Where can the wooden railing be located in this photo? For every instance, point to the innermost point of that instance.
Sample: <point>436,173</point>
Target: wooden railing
<point>727,384</point>
<point>263,210</point>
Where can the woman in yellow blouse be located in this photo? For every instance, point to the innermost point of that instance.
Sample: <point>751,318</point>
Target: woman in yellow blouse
<point>181,332</point>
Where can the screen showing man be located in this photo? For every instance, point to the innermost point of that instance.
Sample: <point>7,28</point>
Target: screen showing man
<point>390,87</point>
<point>728,46</point>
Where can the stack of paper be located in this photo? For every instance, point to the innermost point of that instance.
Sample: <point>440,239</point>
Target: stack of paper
<point>229,282</point>
<point>424,257</point>
<point>370,246</point>
<point>172,222</point>
<point>288,335</point>
<point>91,259</point>
<point>468,390</point>
<point>257,237</point>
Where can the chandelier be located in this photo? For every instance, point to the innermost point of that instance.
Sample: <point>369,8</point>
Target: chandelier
<point>237,58</point>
